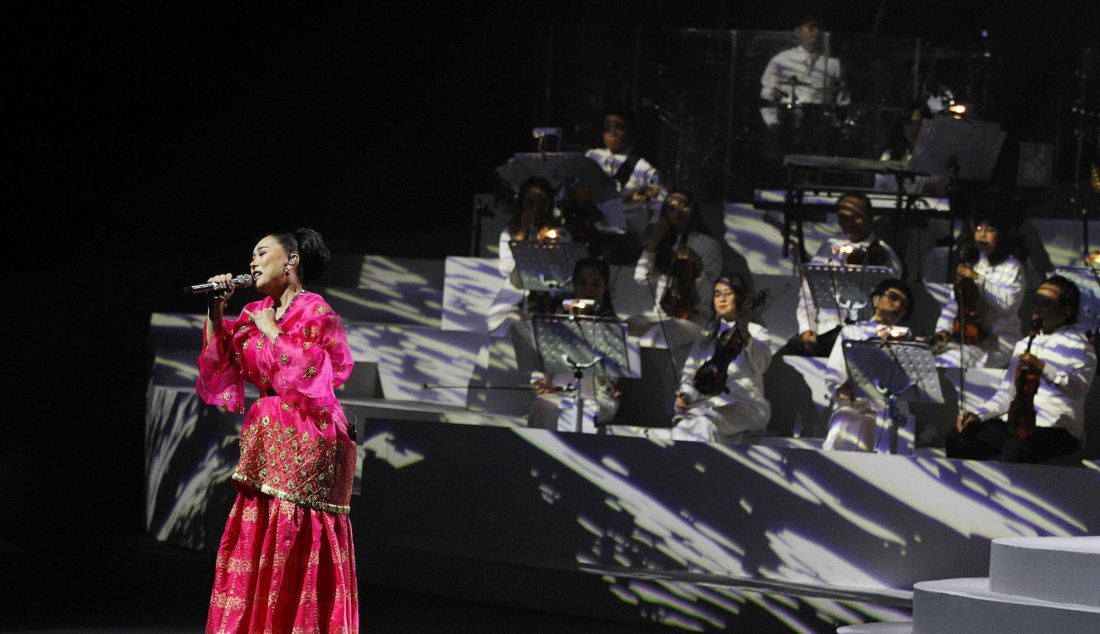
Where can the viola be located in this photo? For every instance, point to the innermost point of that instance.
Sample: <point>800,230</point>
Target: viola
<point>681,296</point>
<point>710,378</point>
<point>967,327</point>
<point>1021,413</point>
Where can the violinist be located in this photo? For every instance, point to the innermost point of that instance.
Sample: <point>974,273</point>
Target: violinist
<point>532,219</point>
<point>736,404</point>
<point>855,425</point>
<point>555,407</point>
<point>678,266</point>
<point>1044,387</point>
<point>857,245</point>
<point>990,282</point>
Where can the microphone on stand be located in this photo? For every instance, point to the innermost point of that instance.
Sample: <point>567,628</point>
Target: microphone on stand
<point>241,281</point>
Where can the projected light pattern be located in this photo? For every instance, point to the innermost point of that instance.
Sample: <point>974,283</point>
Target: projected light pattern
<point>845,492</point>
<point>408,357</point>
<point>469,289</point>
<point>1058,242</point>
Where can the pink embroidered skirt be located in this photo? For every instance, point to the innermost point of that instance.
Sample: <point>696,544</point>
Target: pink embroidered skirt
<point>284,568</point>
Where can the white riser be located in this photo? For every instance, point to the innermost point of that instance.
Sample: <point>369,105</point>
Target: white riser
<point>967,606</point>
<point>1062,569</point>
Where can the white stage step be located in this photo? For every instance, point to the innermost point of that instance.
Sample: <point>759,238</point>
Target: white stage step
<point>968,606</point>
<point>1063,569</point>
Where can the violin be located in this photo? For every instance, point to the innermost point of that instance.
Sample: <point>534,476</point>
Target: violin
<point>1021,413</point>
<point>681,295</point>
<point>710,378</point>
<point>967,327</point>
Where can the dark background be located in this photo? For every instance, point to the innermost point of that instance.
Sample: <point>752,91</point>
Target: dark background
<point>151,144</point>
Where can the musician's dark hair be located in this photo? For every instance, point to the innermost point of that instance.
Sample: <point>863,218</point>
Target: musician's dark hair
<point>662,259</point>
<point>527,185</point>
<point>601,267</point>
<point>619,110</point>
<point>313,254</point>
<point>896,284</point>
<point>1069,296</point>
<point>868,207</point>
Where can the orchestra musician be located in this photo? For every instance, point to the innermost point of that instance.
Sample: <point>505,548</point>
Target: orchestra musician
<point>819,326</point>
<point>555,407</point>
<point>532,219</point>
<point>855,424</point>
<point>678,265</point>
<point>990,282</point>
<point>795,84</point>
<point>636,179</point>
<point>1043,389</point>
<point>723,402</point>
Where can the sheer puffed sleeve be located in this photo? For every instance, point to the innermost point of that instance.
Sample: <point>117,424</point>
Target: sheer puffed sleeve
<point>220,379</point>
<point>312,356</point>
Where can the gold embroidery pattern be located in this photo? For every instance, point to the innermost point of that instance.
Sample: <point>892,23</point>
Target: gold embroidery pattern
<point>283,359</point>
<point>227,396</point>
<point>260,342</point>
<point>321,310</point>
<point>249,515</point>
<point>237,565</point>
<point>310,332</point>
<point>310,372</point>
<point>223,600</point>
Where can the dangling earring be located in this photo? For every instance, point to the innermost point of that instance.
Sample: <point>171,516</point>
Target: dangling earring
<point>286,270</point>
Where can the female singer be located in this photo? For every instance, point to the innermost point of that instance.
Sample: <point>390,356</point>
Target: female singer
<point>736,405</point>
<point>286,560</point>
<point>678,265</point>
<point>555,407</point>
<point>997,280</point>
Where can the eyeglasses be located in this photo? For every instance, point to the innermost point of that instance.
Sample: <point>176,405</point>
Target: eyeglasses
<point>896,296</point>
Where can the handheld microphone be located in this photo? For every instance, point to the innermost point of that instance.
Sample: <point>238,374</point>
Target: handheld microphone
<point>241,281</point>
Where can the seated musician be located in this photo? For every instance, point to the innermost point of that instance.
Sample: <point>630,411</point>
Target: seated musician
<point>678,266</point>
<point>991,284</point>
<point>899,147</point>
<point>555,407</point>
<point>532,220</point>
<point>636,179</point>
<point>855,425</point>
<point>1038,412</point>
<point>721,394</point>
<point>819,325</point>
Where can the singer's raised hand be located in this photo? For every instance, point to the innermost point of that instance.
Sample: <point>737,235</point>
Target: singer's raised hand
<point>215,303</point>
<point>265,322</point>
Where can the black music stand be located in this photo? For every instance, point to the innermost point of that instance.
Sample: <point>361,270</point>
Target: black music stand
<point>961,149</point>
<point>886,372</point>
<point>846,288</point>
<point>564,170</point>
<point>547,266</point>
<point>568,343</point>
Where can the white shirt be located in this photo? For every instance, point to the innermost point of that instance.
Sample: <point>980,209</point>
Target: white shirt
<point>1060,400</point>
<point>1002,290</point>
<point>708,250</point>
<point>822,320</point>
<point>817,78</point>
<point>744,408</point>
<point>644,176</point>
